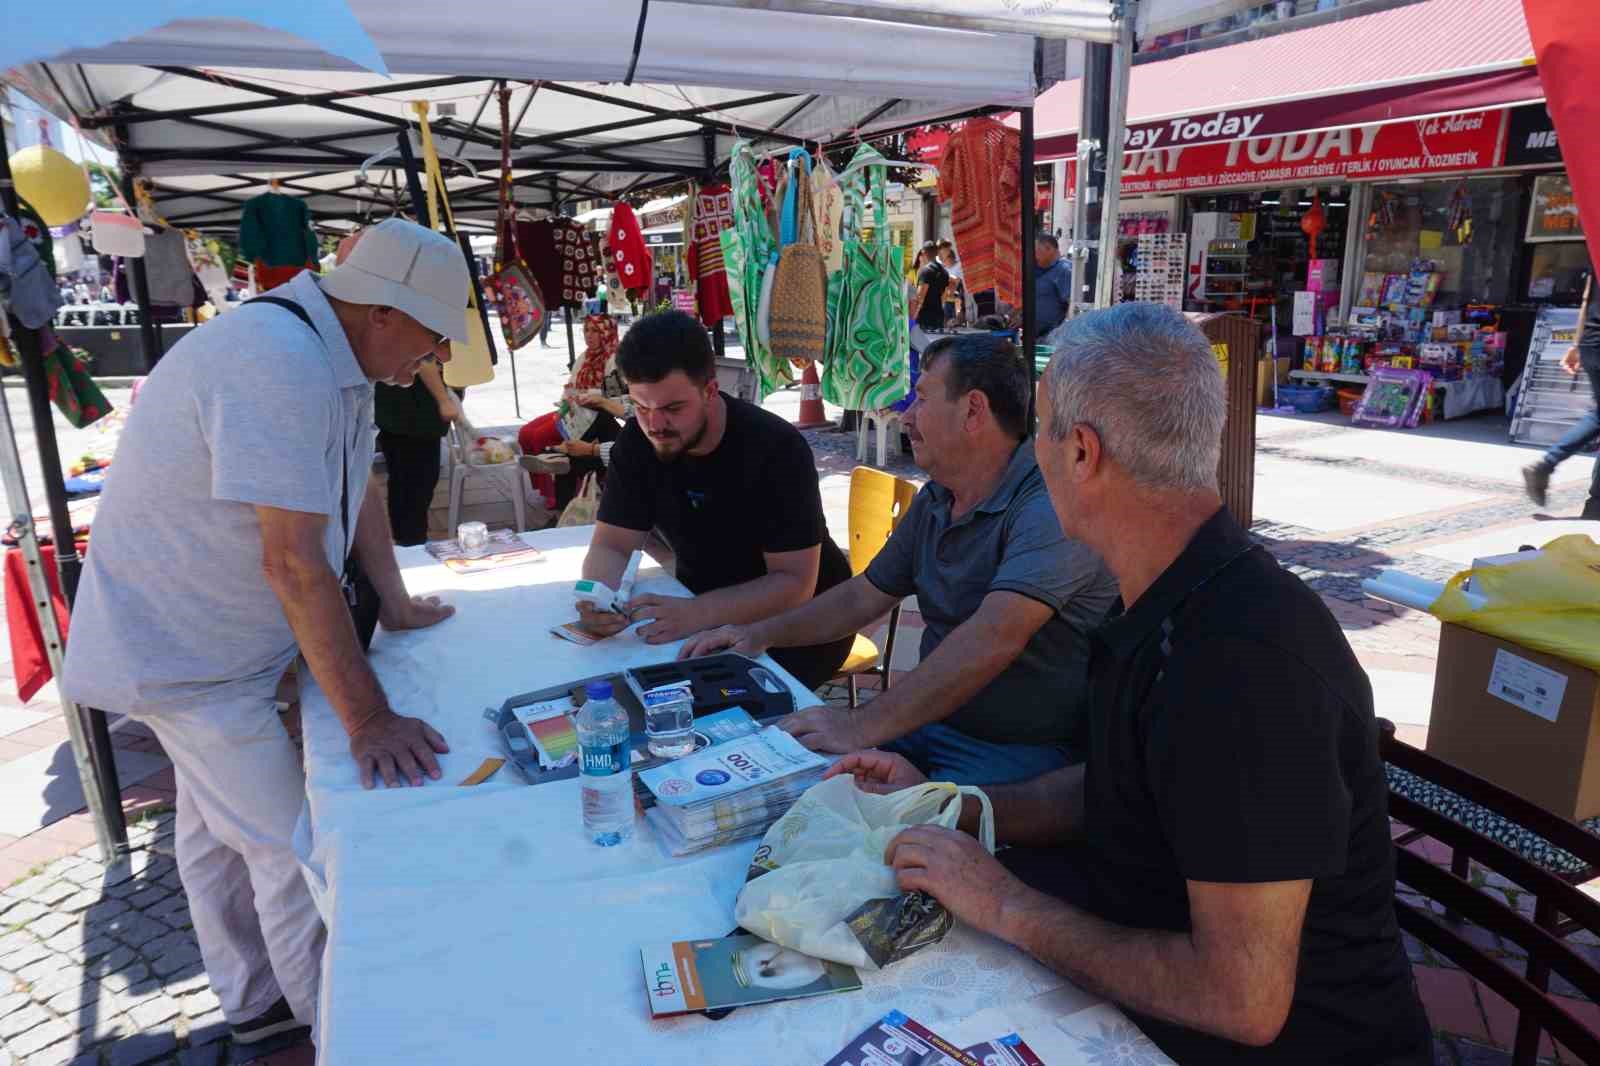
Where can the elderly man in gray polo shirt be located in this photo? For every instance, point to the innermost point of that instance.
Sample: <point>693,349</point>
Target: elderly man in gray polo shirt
<point>1006,598</point>
<point>240,490</point>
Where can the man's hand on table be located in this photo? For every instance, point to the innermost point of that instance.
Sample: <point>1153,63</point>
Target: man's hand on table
<point>957,871</point>
<point>414,612</point>
<point>593,620</point>
<point>830,730</point>
<point>747,640</point>
<point>876,771</point>
<point>390,746</point>
<point>672,617</point>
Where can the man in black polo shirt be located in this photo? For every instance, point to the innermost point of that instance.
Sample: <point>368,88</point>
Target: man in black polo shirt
<point>730,488</point>
<point>1221,865</point>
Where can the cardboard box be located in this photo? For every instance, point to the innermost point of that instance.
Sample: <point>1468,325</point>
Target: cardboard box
<point>1264,376</point>
<point>1305,314</point>
<point>1527,721</point>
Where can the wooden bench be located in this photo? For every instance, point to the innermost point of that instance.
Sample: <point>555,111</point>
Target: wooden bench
<point>1454,796</point>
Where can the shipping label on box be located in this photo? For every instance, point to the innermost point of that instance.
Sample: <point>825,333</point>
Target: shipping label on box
<point>1528,685</point>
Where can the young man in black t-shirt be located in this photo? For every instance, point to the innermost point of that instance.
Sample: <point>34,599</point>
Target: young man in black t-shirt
<point>732,490</point>
<point>1221,865</point>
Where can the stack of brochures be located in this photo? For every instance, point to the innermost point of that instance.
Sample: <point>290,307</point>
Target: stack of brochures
<point>730,791</point>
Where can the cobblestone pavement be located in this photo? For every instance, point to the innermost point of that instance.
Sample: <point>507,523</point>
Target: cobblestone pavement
<point>100,968</point>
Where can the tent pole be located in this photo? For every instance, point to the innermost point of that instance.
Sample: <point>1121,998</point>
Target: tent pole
<point>1030,308</point>
<point>138,276</point>
<point>90,737</point>
<point>1087,214</point>
<point>1116,131</point>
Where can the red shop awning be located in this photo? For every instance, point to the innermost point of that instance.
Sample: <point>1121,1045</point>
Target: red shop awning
<point>1430,58</point>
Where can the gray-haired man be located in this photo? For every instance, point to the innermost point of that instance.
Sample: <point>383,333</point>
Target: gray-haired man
<point>1221,865</point>
<point>240,490</point>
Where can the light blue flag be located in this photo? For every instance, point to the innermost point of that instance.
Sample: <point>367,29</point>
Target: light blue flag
<point>39,32</point>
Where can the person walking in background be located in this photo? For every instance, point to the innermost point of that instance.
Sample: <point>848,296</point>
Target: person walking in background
<point>1052,283</point>
<point>955,293</point>
<point>927,301</point>
<point>1582,358</point>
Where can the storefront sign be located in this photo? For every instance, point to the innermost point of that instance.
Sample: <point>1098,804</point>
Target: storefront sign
<point>683,300</point>
<point>1531,137</point>
<point>1553,215</point>
<point>1440,145</point>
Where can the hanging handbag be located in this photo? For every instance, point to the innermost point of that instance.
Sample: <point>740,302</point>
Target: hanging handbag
<point>522,306</point>
<point>798,316</point>
<point>72,390</point>
<point>115,233</point>
<point>585,506</point>
<point>866,367</point>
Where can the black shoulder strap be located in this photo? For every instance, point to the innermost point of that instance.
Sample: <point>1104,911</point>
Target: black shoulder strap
<point>344,478</point>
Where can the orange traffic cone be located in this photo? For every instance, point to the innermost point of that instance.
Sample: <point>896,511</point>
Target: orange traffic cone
<point>811,414</point>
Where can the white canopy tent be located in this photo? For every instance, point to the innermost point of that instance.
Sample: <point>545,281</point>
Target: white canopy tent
<point>609,95</point>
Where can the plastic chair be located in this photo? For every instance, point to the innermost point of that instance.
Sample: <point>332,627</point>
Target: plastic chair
<point>887,423</point>
<point>509,477</point>
<point>877,503</point>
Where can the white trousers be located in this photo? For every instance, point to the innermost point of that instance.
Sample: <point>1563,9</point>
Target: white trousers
<point>240,791</point>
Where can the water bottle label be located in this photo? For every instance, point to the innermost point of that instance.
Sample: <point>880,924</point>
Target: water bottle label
<point>603,759</point>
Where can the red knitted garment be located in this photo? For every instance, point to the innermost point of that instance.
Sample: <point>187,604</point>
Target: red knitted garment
<point>979,174</point>
<point>713,213</point>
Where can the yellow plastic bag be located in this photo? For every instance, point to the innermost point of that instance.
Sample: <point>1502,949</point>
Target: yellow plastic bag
<point>1550,604</point>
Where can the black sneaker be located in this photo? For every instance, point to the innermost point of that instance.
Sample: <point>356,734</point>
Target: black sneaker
<point>1535,482</point>
<point>277,1018</point>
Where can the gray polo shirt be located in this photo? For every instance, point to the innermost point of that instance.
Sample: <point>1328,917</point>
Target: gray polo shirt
<point>1010,542</point>
<point>250,408</point>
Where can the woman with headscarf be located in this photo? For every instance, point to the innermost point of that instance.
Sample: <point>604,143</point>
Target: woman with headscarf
<point>590,415</point>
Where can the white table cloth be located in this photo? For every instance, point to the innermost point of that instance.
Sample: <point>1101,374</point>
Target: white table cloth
<point>477,925</point>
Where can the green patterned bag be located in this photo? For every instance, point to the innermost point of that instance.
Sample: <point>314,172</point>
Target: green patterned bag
<point>749,247</point>
<point>869,335</point>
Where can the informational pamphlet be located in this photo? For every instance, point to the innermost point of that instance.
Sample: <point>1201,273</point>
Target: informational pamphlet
<point>896,1040</point>
<point>505,549</point>
<point>735,766</point>
<point>735,971</point>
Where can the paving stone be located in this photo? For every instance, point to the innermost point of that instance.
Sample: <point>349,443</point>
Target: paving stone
<point>86,873</point>
<point>170,909</point>
<point>103,1025</point>
<point>23,957</point>
<point>181,959</point>
<point>7,901</point>
<point>54,892</point>
<point>194,970</point>
<point>80,901</point>
<point>165,942</point>
<point>40,1037</point>
<point>96,947</point>
<point>38,971</point>
<point>152,1012</point>
<point>62,1054</point>
<point>149,896</point>
<point>103,911</point>
<point>129,977</point>
<point>135,929</point>
<point>83,997</point>
<point>92,1058</point>
<point>142,1048</point>
<point>70,941</point>
<point>201,1003</point>
<point>25,912</point>
<point>118,958</point>
<point>69,978</point>
<point>51,924</point>
<point>20,1021</point>
<point>27,888</point>
<point>12,1002</point>
<point>15,939</point>
<point>173,881</point>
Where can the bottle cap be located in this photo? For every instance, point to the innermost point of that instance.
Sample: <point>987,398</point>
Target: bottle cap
<point>598,690</point>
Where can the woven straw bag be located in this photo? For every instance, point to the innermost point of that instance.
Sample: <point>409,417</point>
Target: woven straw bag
<point>798,321</point>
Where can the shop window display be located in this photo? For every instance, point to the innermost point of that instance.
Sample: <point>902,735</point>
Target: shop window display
<point>1467,227</point>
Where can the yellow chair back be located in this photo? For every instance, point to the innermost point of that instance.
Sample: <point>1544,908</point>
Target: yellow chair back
<point>877,503</point>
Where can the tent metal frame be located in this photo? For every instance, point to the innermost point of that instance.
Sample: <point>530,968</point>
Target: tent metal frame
<point>552,158</point>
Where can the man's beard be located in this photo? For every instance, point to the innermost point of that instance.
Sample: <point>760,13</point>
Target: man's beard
<point>669,454</point>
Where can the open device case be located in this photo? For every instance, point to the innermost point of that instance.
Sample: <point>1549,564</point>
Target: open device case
<point>718,682</point>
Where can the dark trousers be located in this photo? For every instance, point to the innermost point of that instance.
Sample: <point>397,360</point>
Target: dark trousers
<point>603,430</point>
<point>413,464</point>
<point>1579,437</point>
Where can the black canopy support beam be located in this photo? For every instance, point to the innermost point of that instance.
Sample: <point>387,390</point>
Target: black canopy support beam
<point>274,98</point>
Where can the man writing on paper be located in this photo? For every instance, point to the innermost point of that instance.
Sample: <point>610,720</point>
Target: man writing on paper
<point>240,490</point>
<point>1221,866</point>
<point>1007,599</point>
<point>730,488</point>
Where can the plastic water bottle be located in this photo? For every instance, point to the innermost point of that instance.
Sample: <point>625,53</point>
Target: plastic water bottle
<point>605,766</point>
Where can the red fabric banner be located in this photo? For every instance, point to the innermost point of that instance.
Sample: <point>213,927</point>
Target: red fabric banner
<point>1448,144</point>
<point>1565,46</point>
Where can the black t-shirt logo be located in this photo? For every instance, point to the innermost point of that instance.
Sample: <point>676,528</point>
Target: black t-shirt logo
<point>696,498</point>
